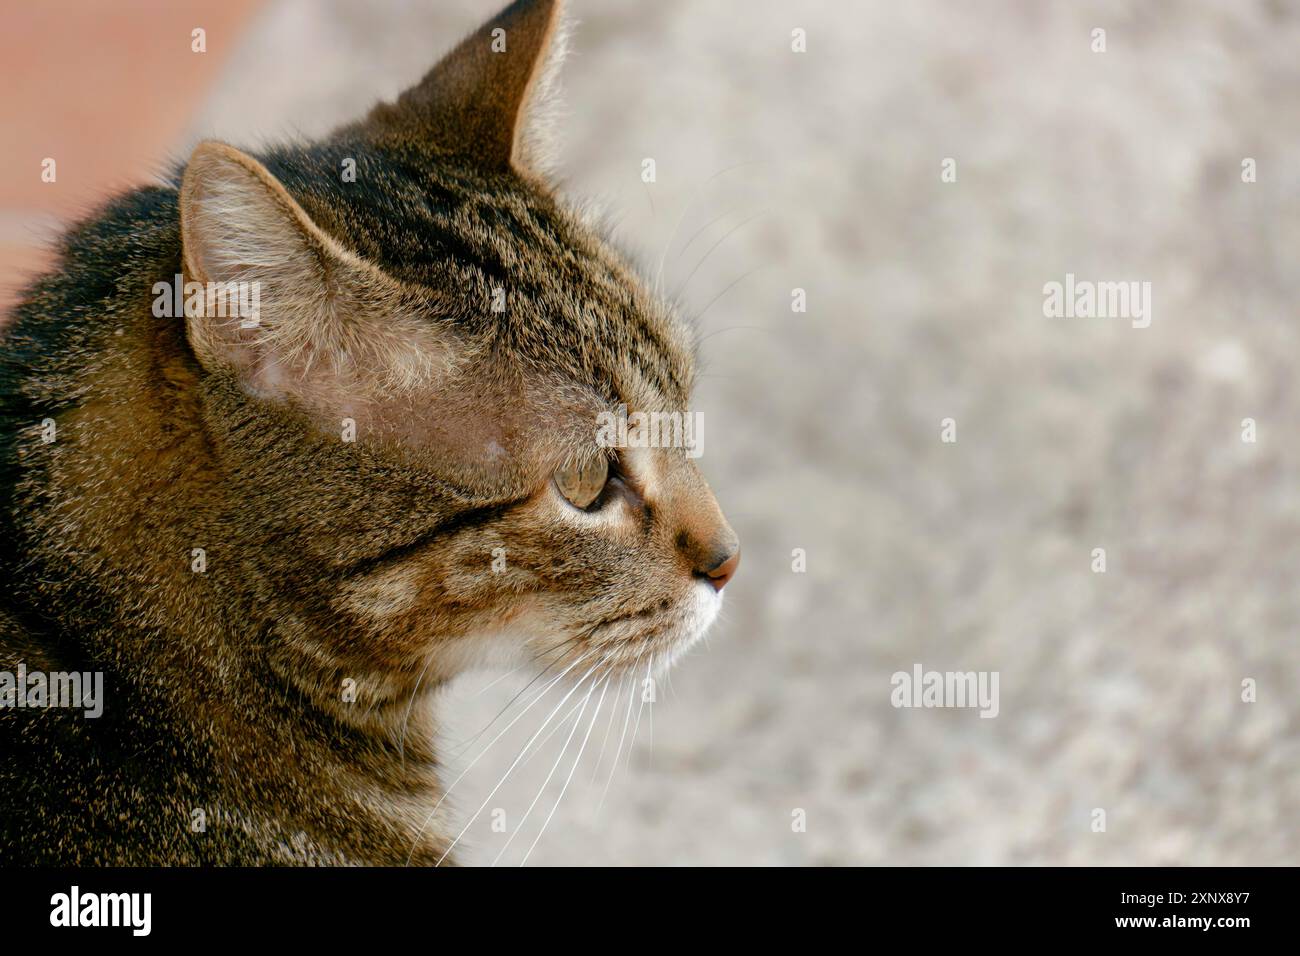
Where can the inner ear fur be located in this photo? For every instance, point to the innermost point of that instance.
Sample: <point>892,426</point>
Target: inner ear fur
<point>325,318</point>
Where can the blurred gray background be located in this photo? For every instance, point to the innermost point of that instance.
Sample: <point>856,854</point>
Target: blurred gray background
<point>821,171</point>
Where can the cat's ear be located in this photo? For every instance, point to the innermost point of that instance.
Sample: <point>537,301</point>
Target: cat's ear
<point>489,98</point>
<point>277,300</point>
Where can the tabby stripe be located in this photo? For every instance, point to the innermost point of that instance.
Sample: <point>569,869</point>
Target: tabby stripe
<point>464,521</point>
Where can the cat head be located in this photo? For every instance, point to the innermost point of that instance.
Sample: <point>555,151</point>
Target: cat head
<point>419,422</point>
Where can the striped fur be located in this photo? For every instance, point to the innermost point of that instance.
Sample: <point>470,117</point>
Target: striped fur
<point>280,694</point>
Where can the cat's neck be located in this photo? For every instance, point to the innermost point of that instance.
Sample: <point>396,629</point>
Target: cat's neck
<point>154,590</point>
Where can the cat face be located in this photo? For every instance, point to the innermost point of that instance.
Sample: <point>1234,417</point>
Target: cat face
<point>415,425</point>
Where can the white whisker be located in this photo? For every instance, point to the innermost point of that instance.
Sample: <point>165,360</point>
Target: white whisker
<point>632,746</point>
<point>401,741</point>
<point>555,766</point>
<point>496,680</point>
<point>555,730</point>
<point>690,201</point>
<point>609,726</point>
<point>654,692</point>
<point>576,761</point>
<point>460,749</point>
<point>512,766</point>
<point>736,228</point>
<point>631,693</point>
<point>446,793</point>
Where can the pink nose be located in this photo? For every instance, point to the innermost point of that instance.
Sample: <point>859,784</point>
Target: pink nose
<point>725,571</point>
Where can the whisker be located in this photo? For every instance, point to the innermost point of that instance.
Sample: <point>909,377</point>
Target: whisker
<point>730,285</point>
<point>554,730</point>
<point>640,708</point>
<point>554,767</point>
<point>576,760</point>
<point>663,256</point>
<point>631,693</point>
<point>401,740</point>
<point>703,229</point>
<point>690,201</point>
<point>609,726</point>
<point>511,768</point>
<point>446,793</point>
<point>653,694</point>
<point>461,748</point>
<point>730,232</point>
<point>496,680</point>
<point>535,698</point>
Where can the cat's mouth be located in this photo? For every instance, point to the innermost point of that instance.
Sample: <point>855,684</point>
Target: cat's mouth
<point>656,635</point>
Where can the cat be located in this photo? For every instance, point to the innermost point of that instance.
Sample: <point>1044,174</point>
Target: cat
<point>275,536</point>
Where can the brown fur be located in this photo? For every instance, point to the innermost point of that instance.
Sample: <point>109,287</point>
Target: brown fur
<point>329,563</point>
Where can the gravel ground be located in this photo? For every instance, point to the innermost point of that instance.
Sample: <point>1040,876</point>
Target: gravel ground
<point>1120,691</point>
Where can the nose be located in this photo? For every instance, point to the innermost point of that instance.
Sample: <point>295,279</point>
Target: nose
<point>708,544</point>
<point>724,571</point>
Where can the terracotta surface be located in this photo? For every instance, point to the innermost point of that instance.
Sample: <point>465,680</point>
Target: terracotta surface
<point>106,90</point>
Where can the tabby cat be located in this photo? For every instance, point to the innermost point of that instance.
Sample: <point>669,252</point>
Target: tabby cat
<point>276,535</point>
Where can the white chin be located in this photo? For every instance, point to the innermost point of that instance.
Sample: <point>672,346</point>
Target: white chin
<point>702,611</point>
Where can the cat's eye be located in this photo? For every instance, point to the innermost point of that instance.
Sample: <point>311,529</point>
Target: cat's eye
<point>581,485</point>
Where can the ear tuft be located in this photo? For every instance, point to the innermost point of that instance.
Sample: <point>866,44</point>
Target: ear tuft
<point>238,223</point>
<point>242,232</point>
<point>323,325</point>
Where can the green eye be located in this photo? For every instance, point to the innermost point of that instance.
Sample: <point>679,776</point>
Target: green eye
<point>582,485</point>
